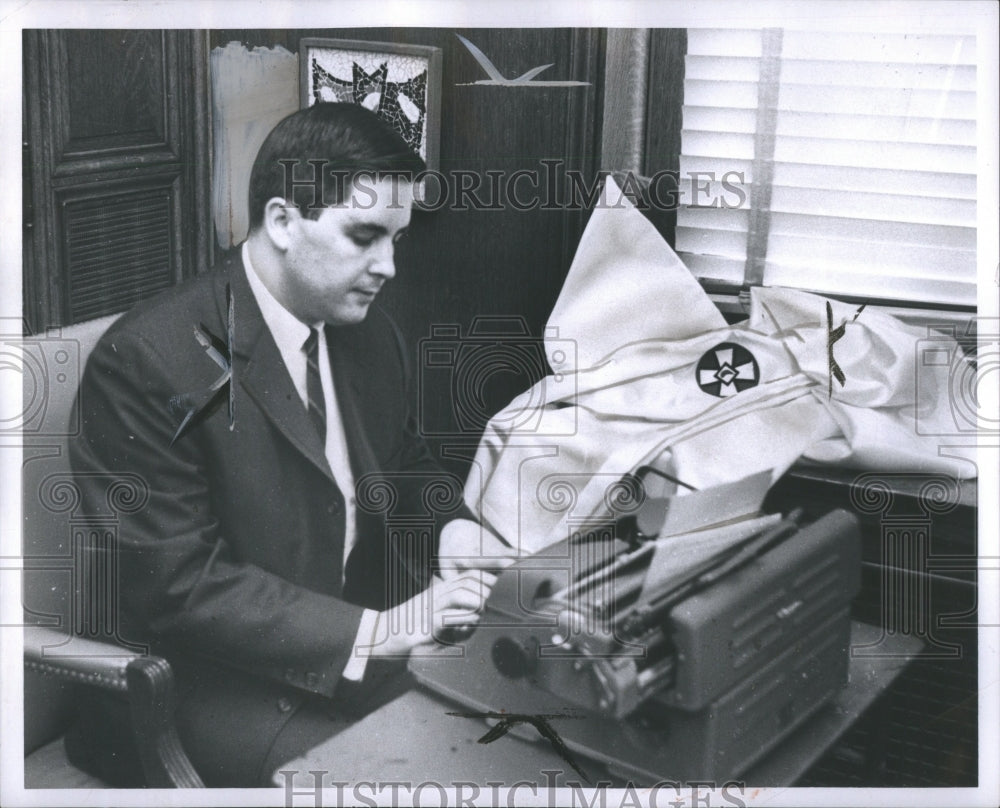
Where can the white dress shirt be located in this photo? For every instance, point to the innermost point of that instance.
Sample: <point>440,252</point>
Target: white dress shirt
<point>289,335</point>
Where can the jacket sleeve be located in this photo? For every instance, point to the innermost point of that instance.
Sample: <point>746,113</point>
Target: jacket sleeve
<point>180,582</point>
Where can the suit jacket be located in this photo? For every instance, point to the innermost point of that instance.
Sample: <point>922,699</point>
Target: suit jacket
<point>230,547</point>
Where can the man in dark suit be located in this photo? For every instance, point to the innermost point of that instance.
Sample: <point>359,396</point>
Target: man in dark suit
<point>266,559</point>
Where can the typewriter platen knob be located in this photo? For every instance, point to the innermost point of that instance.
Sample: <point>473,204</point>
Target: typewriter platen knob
<point>515,658</point>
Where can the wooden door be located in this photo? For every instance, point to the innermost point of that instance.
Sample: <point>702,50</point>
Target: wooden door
<point>116,180</point>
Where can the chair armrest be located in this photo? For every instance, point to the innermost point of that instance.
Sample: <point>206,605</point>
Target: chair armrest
<point>147,682</point>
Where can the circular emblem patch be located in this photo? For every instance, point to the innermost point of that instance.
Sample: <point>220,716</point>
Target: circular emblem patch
<point>727,369</point>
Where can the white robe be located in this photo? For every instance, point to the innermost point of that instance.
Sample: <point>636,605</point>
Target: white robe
<point>645,373</point>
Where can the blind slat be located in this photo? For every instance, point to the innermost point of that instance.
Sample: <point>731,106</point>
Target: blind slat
<point>904,103</point>
<point>706,144</point>
<point>851,178</point>
<point>721,68</point>
<point>723,42</point>
<point>715,119</point>
<point>844,227</point>
<point>880,207</point>
<point>891,75</point>
<point>715,164</point>
<point>875,154</point>
<point>871,127</point>
<point>898,260</point>
<point>726,95</point>
<point>880,47</point>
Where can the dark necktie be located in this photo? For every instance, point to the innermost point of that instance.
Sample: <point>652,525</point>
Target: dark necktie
<point>314,385</point>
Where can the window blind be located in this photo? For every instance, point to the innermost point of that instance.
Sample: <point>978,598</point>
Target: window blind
<point>858,152</point>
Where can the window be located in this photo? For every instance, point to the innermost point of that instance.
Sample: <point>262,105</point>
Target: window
<point>858,156</point>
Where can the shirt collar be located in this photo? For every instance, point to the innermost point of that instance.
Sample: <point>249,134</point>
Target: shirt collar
<point>289,331</point>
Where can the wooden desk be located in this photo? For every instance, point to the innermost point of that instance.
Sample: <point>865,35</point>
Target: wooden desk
<point>414,740</point>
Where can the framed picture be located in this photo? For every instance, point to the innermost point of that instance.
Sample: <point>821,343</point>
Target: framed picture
<point>400,83</point>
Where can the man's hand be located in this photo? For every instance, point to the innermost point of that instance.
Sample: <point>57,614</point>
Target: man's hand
<point>467,545</point>
<point>455,602</point>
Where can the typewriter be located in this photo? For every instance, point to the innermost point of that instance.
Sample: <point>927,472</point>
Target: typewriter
<point>661,674</point>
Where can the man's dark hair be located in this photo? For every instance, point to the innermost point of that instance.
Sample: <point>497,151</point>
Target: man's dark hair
<point>348,140</point>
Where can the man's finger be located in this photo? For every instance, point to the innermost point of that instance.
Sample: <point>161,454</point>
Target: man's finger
<point>453,621</point>
<point>460,597</point>
<point>477,563</point>
<point>469,578</point>
<point>463,588</point>
<point>456,617</point>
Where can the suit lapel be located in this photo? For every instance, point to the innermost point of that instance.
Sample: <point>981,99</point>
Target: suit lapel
<point>259,368</point>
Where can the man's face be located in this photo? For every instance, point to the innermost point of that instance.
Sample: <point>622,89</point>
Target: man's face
<point>336,264</point>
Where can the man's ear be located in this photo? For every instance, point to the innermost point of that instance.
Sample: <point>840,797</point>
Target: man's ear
<point>280,217</point>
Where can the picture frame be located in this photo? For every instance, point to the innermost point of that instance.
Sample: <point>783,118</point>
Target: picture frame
<point>401,83</point>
